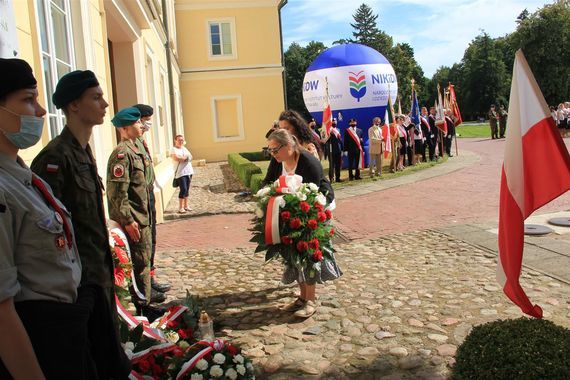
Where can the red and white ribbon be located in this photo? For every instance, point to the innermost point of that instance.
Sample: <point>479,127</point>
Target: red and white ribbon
<point>171,316</point>
<point>357,142</point>
<point>134,375</point>
<point>153,350</point>
<point>133,322</point>
<point>285,184</point>
<point>190,364</point>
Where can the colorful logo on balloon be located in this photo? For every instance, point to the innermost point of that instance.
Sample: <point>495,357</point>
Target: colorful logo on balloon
<point>357,83</point>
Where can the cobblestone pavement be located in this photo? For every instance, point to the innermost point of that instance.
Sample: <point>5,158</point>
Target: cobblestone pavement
<point>404,304</point>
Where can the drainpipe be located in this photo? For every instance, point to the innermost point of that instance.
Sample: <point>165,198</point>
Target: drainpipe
<point>282,3</point>
<point>169,68</point>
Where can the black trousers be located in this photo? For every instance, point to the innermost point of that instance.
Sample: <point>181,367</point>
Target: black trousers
<point>152,207</point>
<point>353,164</point>
<point>335,163</point>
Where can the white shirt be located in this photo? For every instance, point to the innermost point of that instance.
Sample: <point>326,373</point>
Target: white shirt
<point>182,168</point>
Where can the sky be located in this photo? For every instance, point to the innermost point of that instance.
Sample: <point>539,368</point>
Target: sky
<point>438,30</point>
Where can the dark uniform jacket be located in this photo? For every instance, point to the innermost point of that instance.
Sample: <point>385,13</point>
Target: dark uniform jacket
<point>334,143</point>
<point>349,143</point>
<point>143,147</point>
<point>71,172</point>
<point>127,189</point>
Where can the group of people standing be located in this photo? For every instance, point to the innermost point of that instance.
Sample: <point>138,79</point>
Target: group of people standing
<point>58,314</point>
<point>561,116</point>
<point>498,121</point>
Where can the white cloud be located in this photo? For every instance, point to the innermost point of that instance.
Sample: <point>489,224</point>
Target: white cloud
<point>439,31</point>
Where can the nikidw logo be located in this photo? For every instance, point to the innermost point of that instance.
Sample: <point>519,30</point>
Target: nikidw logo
<point>357,83</point>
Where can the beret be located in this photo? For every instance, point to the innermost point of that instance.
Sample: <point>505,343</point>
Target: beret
<point>144,109</point>
<point>126,116</point>
<point>72,85</point>
<point>16,75</point>
<point>352,120</point>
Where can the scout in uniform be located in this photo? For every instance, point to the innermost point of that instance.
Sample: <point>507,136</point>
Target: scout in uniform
<point>127,197</point>
<point>146,114</point>
<point>42,326</point>
<point>68,165</point>
<point>493,118</point>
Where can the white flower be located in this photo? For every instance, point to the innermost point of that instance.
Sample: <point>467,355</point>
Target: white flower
<point>249,366</point>
<point>301,196</point>
<point>202,364</point>
<point>231,374</point>
<point>282,202</point>
<point>196,376</point>
<point>219,359</point>
<point>172,336</point>
<point>238,359</point>
<point>321,199</point>
<point>314,188</point>
<point>216,371</point>
<point>259,212</point>
<point>240,369</point>
<point>263,192</point>
<point>129,353</point>
<point>129,346</point>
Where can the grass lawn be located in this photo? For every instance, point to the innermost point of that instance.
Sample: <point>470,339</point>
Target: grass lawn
<point>365,173</point>
<point>473,129</point>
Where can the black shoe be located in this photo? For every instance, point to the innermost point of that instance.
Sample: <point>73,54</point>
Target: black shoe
<point>357,178</point>
<point>157,297</point>
<point>340,180</point>
<point>163,288</point>
<point>150,312</point>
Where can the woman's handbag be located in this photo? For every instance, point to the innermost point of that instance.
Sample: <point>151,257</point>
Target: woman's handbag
<point>176,181</point>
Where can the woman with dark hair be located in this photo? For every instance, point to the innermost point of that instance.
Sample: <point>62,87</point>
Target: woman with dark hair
<point>290,158</point>
<point>294,123</point>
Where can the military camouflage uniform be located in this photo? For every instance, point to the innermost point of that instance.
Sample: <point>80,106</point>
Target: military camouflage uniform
<point>502,122</point>
<point>150,177</point>
<point>128,199</point>
<point>493,118</point>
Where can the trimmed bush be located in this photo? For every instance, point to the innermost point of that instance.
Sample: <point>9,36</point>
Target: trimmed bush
<point>255,183</point>
<point>254,156</point>
<point>243,167</point>
<point>514,349</point>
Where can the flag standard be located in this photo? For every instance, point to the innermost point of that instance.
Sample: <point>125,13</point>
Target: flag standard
<point>454,106</point>
<point>439,114</point>
<point>327,113</point>
<point>536,169</point>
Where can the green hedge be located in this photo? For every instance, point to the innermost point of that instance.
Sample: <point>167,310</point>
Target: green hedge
<point>254,156</point>
<point>255,183</point>
<point>243,167</point>
<point>514,349</point>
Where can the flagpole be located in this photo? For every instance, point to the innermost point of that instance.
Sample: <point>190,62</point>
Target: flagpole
<point>413,137</point>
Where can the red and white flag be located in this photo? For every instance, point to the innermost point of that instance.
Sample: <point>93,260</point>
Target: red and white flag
<point>536,169</point>
<point>386,135</point>
<point>327,113</point>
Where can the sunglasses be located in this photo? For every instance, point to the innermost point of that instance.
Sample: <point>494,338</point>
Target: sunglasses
<point>274,150</point>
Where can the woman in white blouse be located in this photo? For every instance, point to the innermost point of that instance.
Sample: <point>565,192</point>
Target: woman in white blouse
<point>183,171</point>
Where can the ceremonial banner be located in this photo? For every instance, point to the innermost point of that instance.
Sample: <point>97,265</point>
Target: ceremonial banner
<point>454,106</point>
<point>536,169</point>
<point>327,114</point>
<point>439,113</point>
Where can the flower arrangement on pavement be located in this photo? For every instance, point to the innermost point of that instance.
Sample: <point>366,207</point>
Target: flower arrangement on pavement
<point>292,223</point>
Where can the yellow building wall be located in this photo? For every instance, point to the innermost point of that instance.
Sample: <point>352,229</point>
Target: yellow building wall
<point>262,101</point>
<point>257,37</point>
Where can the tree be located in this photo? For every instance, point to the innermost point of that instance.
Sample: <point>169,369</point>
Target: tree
<point>297,60</point>
<point>544,37</point>
<point>365,27</point>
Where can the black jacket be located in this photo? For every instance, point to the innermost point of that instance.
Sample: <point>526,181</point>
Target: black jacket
<point>308,167</point>
<point>349,144</point>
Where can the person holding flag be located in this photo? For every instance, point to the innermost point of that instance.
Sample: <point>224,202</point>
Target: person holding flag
<point>333,148</point>
<point>353,146</point>
<point>428,135</point>
<point>418,134</point>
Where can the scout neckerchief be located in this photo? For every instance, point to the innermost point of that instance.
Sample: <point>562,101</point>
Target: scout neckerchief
<point>354,137</point>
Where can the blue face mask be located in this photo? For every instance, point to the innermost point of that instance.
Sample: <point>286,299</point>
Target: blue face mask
<point>30,132</point>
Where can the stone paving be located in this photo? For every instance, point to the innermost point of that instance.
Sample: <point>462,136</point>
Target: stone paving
<point>404,304</point>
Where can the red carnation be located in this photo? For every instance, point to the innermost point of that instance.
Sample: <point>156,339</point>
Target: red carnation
<point>295,223</point>
<point>173,324</point>
<point>314,243</point>
<point>317,256</point>
<point>312,223</point>
<point>328,213</point>
<point>232,350</point>
<point>144,366</point>
<point>286,240</point>
<point>121,255</point>
<point>305,207</point>
<point>319,206</point>
<point>322,217</point>
<point>119,276</point>
<point>285,215</point>
<point>302,246</point>
<point>178,352</point>
<point>182,334</point>
<point>332,231</point>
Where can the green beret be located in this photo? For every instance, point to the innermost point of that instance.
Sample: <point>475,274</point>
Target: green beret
<point>16,75</point>
<point>126,116</point>
<point>145,109</point>
<point>72,85</point>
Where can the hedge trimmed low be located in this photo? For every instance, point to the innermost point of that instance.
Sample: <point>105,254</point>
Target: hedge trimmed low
<point>254,156</point>
<point>243,167</point>
<point>255,183</point>
<point>514,349</point>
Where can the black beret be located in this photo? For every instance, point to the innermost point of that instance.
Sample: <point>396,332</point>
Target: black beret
<point>144,109</point>
<point>72,85</point>
<point>16,75</point>
<point>125,117</point>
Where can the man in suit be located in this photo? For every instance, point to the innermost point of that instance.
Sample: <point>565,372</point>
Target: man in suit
<point>428,135</point>
<point>435,132</point>
<point>333,150</point>
<point>375,147</point>
<point>353,146</point>
<point>450,132</point>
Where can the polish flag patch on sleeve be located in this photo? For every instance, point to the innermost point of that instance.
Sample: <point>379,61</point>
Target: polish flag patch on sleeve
<point>52,168</point>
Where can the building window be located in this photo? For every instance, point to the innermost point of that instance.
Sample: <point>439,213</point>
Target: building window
<point>58,58</point>
<point>227,118</point>
<point>222,39</point>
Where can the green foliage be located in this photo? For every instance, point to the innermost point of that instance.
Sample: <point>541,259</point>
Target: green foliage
<point>514,349</point>
<point>243,167</point>
<point>365,25</point>
<point>255,182</point>
<point>254,156</point>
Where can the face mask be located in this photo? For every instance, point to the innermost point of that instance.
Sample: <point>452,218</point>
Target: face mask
<point>30,132</point>
<point>146,125</point>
